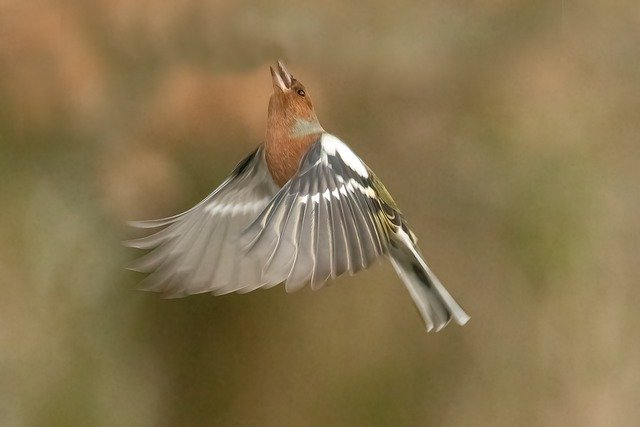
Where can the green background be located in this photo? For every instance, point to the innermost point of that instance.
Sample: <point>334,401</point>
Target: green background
<point>507,131</point>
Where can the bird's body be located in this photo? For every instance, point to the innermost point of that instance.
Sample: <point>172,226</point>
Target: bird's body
<point>303,207</point>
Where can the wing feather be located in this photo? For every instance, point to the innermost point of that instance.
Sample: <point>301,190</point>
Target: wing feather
<point>324,236</point>
<point>321,224</point>
<point>341,256</point>
<point>197,250</point>
<point>326,221</point>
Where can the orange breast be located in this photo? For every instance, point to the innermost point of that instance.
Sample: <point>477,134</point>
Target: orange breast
<point>283,155</point>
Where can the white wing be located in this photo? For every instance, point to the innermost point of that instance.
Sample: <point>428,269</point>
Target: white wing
<point>327,220</point>
<point>198,250</point>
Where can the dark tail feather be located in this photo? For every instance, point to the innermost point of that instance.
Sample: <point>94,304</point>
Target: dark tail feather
<point>436,306</point>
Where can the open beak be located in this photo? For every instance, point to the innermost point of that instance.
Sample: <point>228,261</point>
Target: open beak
<point>281,78</point>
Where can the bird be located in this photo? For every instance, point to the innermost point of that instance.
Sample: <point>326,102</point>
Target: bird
<point>301,209</point>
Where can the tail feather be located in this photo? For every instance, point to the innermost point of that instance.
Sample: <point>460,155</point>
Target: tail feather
<point>436,306</point>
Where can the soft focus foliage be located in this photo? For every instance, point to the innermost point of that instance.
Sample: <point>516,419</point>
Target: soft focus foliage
<point>507,130</point>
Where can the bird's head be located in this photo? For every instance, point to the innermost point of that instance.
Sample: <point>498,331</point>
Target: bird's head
<point>290,104</point>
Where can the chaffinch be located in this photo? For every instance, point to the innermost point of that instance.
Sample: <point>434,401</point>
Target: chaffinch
<point>300,208</point>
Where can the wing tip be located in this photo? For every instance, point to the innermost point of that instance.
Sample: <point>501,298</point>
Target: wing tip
<point>133,243</point>
<point>146,223</point>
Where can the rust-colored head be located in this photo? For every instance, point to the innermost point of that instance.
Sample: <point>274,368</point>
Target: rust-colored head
<point>290,100</point>
<point>292,125</point>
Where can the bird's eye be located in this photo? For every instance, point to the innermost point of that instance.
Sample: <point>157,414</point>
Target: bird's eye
<point>301,92</point>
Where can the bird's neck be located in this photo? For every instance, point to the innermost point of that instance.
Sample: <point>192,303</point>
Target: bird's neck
<point>287,141</point>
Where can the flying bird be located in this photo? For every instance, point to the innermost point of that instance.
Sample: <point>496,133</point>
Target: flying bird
<point>302,208</point>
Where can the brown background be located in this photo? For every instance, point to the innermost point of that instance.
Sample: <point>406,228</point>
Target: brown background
<point>508,131</point>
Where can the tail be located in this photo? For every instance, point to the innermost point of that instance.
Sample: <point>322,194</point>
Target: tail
<point>434,303</point>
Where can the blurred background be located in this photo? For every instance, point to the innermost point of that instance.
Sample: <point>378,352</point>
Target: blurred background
<point>508,131</point>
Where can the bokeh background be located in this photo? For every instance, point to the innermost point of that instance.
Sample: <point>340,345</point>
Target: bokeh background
<point>507,130</point>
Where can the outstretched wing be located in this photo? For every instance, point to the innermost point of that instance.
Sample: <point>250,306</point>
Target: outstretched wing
<point>332,217</point>
<point>197,250</point>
